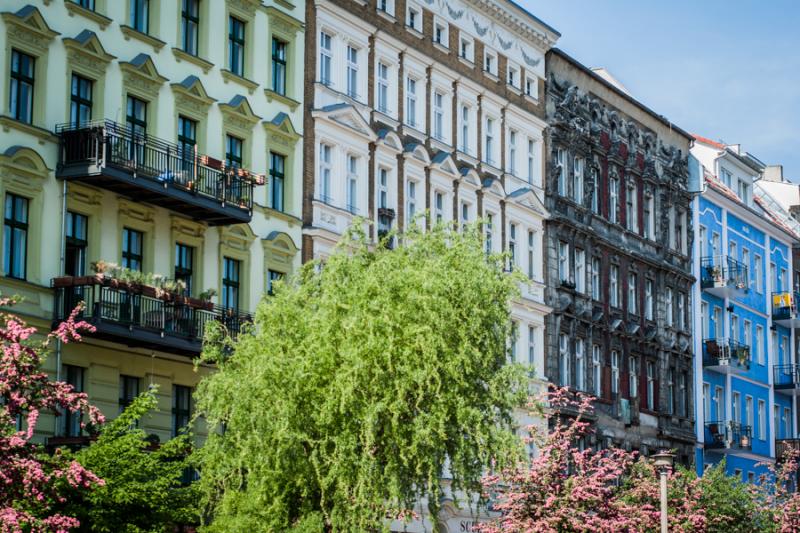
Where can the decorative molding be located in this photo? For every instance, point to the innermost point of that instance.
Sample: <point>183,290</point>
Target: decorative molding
<point>180,55</point>
<point>136,211</point>
<point>283,23</point>
<point>238,115</point>
<point>24,168</point>
<point>77,9</point>
<point>28,30</point>
<point>238,238</point>
<point>187,228</point>
<point>281,132</point>
<point>141,75</point>
<point>248,84</point>
<point>280,250</point>
<point>246,8</point>
<point>7,124</point>
<point>272,95</point>
<point>129,33</point>
<point>86,53</point>
<point>191,97</point>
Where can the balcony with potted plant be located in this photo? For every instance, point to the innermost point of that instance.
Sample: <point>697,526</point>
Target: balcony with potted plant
<point>142,309</point>
<point>726,356</point>
<point>723,276</point>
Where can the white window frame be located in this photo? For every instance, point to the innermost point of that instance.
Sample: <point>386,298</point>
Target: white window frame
<point>325,170</point>
<point>633,293</point>
<point>466,48</point>
<point>580,271</point>
<point>464,120</point>
<point>759,345</point>
<point>577,179</point>
<point>648,299</point>
<point>531,254</point>
<point>531,159</point>
<point>326,58</point>
<point>513,75</point>
<point>411,200</point>
<point>512,243</point>
<point>415,22</point>
<point>512,151</point>
<point>669,307</point>
<point>758,266</point>
<point>613,285</point>
<point>439,23</point>
<point>632,210</point>
<point>580,365</point>
<point>489,144</point>
<point>352,53</point>
<point>532,87</point>
<point>438,115</point>
<point>633,376</point>
<point>596,267</point>
<point>490,61</point>
<point>383,87</point>
<point>563,262</point>
<point>597,370</point>
<point>352,183</point>
<point>386,6</point>
<point>650,369</point>
<point>561,161</point>
<point>564,356</point>
<point>613,200</point>
<point>614,372</point>
<point>762,419</point>
<point>411,102</point>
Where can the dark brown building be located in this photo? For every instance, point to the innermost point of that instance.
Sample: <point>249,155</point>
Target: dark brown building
<point>618,261</point>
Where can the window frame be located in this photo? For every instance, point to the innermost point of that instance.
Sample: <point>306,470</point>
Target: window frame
<point>190,26</point>
<point>184,266</point>
<point>11,225</point>
<point>231,286</point>
<point>139,15</point>
<point>237,45</point>
<point>280,54</point>
<point>17,78</point>
<point>130,256</point>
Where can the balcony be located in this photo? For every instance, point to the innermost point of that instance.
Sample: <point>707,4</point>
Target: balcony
<point>110,156</point>
<point>141,316</point>
<point>723,276</point>
<point>727,436</point>
<point>784,309</point>
<point>785,448</point>
<point>786,379</point>
<point>726,356</point>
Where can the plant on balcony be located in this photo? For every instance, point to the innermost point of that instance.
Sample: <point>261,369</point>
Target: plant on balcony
<point>34,485</point>
<point>207,295</point>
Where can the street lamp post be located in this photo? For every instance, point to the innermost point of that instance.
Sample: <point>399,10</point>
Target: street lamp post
<point>663,463</point>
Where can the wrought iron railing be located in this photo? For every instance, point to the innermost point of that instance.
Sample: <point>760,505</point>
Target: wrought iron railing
<point>784,305</point>
<point>727,434</point>
<point>723,271</point>
<point>107,143</point>
<point>786,376</point>
<point>726,352</point>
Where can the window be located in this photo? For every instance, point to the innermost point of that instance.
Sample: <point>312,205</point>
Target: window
<point>184,266</point>
<point>735,328</point>
<point>684,394</point>
<point>577,180</point>
<point>489,155</point>
<point>383,188</point>
<point>236,46</point>
<point>735,412</point>
<point>352,72</point>
<point>233,151</point>
<point>748,411</point>
<point>595,278</point>
<point>759,345</point>
<point>513,75</point>
<point>671,391</point>
<point>580,271</point>
<point>414,18</point>
<point>762,420</point>
<point>140,15</point>
<point>631,216</point>
<point>272,277</point>
<point>704,320</point>
<point>648,299</point>
<point>613,200</point>
<point>190,22</point>
<point>783,281</point>
<point>774,337</point>
<point>682,311</point>
<point>411,102</point>
<point>230,283</point>
<point>563,262</point>
<point>187,140</point>
<point>531,346</point>
<point>136,116</point>
<point>597,371</point>
<point>15,236</point>
<point>632,294</point>
<point>132,245</point>
<point>465,129</point>
<point>726,176</point>
<point>773,275</point>
<point>785,358</point>
<point>531,159</point>
<point>633,377</point>
<point>386,6</point>
<point>490,62</point>
<point>352,184</point>
<point>464,213</point>
<point>512,349</point>
<point>717,322</point>
<point>465,50</point>
<point>563,349</point>
<point>279,66</point>
<point>651,386</point>
<point>383,87</point>
<point>438,115</point>
<point>580,366</point>
<point>76,243</point>
<point>512,243</point>
<point>649,217</point>
<point>715,243</point>
<point>757,272</point>
<point>614,372</point>
<point>412,200</point>
<point>531,87</point>
<point>531,254</point>
<point>75,376</point>
<point>512,152</point>
<point>80,100</point>
<point>613,285</point>
<point>325,55</point>
<point>561,160</point>
<point>787,424</point>
<point>595,190</point>
<point>87,4</point>
<point>277,165</point>
<point>744,191</point>
<point>706,402</point>
<point>22,81</point>
<point>719,406</point>
<point>440,34</point>
<point>489,231</point>
<point>325,172</point>
<point>670,315</point>
<point>181,408</point>
<point>128,390</point>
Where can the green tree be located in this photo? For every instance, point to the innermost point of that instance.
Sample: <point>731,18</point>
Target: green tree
<point>143,491</point>
<point>364,379</point>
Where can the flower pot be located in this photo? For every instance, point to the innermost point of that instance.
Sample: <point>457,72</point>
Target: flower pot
<point>63,281</point>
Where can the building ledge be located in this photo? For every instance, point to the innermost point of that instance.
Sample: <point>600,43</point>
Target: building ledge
<point>8,123</point>
<point>76,9</point>
<point>282,98</point>
<point>181,55</point>
<point>129,33</point>
<point>229,76</point>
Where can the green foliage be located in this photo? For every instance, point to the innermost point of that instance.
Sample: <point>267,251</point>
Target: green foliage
<point>365,376</point>
<point>143,490</point>
<point>731,505</point>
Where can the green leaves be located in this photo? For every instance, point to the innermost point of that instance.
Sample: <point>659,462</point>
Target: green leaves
<point>365,378</point>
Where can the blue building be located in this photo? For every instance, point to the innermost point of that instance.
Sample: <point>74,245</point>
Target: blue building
<point>745,378</point>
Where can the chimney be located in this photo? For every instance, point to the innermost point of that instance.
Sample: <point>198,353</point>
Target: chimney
<point>735,148</point>
<point>773,173</point>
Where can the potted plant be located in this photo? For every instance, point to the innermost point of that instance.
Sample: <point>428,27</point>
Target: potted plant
<point>206,296</point>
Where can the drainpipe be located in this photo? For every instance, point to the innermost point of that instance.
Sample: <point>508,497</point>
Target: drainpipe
<point>61,265</point>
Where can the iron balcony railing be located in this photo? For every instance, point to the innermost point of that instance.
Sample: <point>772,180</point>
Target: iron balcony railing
<point>784,305</point>
<point>109,144</point>
<point>786,376</point>
<point>128,316</point>
<point>726,352</point>
<point>786,448</point>
<point>723,271</point>
<point>727,434</point>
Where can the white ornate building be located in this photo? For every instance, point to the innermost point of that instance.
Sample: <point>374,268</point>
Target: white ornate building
<point>430,106</point>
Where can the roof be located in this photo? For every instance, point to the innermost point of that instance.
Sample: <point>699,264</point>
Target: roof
<point>706,140</point>
<point>744,158</point>
<point>535,18</point>
<point>603,81</point>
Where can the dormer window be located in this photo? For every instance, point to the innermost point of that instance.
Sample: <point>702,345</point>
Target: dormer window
<point>440,33</point>
<point>744,192</point>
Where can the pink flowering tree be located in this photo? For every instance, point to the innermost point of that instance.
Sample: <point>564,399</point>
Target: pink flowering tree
<point>34,485</point>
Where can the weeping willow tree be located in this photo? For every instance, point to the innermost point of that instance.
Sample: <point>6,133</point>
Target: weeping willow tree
<point>365,379</point>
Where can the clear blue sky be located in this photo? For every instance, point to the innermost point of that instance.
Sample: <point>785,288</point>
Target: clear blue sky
<point>725,70</point>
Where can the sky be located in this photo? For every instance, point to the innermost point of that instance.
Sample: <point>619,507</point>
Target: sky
<point>727,70</point>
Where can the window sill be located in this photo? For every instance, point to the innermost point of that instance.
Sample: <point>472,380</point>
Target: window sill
<point>181,55</point>
<point>229,76</point>
<point>8,123</point>
<point>129,32</point>
<point>532,99</point>
<point>491,75</point>
<point>441,47</point>
<point>388,16</point>
<point>288,5</point>
<point>415,32</point>
<point>76,9</point>
<point>470,63</point>
<point>272,95</point>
